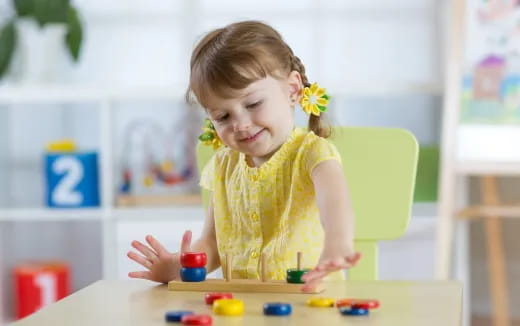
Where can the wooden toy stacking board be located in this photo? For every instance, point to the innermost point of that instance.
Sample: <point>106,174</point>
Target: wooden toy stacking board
<point>256,286</point>
<point>242,285</point>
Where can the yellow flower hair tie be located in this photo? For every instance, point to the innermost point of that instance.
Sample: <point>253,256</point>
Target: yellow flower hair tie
<point>209,136</point>
<point>314,100</point>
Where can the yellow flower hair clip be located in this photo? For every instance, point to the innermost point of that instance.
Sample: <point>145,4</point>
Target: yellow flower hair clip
<point>314,100</point>
<point>209,136</point>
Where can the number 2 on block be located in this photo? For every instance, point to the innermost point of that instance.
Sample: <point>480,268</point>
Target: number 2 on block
<point>64,193</point>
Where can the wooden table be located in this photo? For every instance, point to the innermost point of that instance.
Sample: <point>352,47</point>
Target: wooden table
<point>137,302</point>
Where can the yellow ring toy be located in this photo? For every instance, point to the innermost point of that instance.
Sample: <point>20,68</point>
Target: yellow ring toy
<point>228,307</point>
<point>321,302</point>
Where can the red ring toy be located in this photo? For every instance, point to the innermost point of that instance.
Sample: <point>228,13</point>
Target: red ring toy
<point>193,259</point>
<point>212,296</point>
<point>197,320</point>
<point>358,303</point>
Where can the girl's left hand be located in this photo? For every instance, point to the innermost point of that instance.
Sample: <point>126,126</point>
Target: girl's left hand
<point>326,266</point>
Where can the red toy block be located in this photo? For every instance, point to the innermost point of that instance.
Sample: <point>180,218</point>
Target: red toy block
<point>39,284</point>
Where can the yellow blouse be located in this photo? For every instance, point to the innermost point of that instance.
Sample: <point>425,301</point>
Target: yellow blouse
<point>269,209</point>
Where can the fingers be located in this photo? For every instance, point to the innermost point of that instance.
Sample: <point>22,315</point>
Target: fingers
<point>325,267</point>
<point>309,287</point>
<point>145,250</point>
<point>157,246</point>
<point>312,280</point>
<point>354,258</point>
<point>186,241</point>
<point>139,259</point>
<point>142,274</point>
<point>314,275</point>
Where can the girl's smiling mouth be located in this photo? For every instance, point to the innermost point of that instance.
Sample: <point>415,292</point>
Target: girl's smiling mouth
<point>252,138</point>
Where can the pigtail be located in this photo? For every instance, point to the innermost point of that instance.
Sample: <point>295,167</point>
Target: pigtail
<point>316,123</point>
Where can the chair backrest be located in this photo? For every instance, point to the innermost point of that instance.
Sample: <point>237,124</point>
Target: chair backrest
<point>380,167</point>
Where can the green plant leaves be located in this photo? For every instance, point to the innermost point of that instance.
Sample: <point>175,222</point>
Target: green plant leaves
<point>7,45</point>
<point>24,7</point>
<point>74,35</point>
<point>51,11</point>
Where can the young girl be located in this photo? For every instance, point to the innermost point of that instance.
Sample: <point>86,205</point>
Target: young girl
<point>276,189</point>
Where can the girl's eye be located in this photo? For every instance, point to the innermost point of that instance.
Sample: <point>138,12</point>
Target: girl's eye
<point>253,105</point>
<point>222,118</point>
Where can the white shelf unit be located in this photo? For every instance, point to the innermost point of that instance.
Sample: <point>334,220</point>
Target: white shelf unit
<point>47,214</point>
<point>107,213</point>
<point>104,222</point>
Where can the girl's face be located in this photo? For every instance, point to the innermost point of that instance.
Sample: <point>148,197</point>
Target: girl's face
<point>260,118</point>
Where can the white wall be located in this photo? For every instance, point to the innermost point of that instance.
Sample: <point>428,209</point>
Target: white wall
<point>4,142</point>
<point>351,44</point>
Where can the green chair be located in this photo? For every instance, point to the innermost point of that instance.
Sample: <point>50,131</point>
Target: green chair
<point>380,167</point>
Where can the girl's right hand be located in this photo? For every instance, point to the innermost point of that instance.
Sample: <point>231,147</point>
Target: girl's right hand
<point>162,266</point>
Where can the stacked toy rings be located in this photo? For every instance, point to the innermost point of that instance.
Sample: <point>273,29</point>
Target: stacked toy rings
<point>193,266</point>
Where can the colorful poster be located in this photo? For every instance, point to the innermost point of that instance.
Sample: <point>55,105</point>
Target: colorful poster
<point>491,83</point>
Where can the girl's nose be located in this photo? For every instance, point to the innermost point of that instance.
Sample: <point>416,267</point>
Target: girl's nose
<point>241,123</point>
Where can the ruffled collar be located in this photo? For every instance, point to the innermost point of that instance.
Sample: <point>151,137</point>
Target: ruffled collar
<point>279,156</point>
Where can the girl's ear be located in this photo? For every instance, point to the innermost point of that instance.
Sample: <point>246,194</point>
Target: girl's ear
<point>295,86</point>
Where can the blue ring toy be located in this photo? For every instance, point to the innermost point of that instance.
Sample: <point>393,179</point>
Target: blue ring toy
<point>176,315</point>
<point>348,311</point>
<point>193,274</point>
<point>277,309</point>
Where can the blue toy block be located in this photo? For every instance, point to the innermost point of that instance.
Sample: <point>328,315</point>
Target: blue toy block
<point>72,179</point>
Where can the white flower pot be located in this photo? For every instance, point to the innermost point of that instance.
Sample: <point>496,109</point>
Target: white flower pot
<point>39,55</point>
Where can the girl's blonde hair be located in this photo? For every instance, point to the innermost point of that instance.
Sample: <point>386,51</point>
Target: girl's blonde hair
<point>233,57</point>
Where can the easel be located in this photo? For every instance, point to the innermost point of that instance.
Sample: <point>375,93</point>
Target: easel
<point>453,178</point>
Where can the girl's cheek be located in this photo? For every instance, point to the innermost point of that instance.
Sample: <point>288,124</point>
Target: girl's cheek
<point>222,131</point>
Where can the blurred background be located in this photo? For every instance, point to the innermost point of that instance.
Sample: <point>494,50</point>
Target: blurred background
<point>104,81</point>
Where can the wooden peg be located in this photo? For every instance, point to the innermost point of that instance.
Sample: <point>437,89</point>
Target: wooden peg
<point>299,260</point>
<point>227,273</point>
<point>263,264</point>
